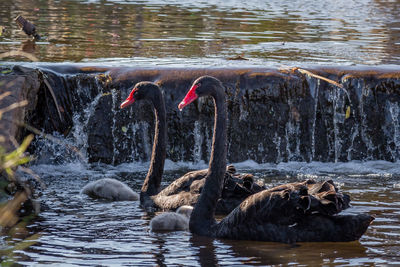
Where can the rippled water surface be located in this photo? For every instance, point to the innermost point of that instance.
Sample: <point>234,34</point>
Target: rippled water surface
<point>74,229</point>
<point>202,32</point>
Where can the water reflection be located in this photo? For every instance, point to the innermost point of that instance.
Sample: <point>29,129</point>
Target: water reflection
<point>29,46</point>
<point>261,253</point>
<point>205,250</point>
<point>211,252</point>
<point>346,32</point>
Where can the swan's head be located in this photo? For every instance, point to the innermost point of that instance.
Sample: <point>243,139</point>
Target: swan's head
<point>203,86</point>
<point>142,90</point>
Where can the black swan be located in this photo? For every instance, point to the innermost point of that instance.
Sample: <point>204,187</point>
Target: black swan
<point>288,213</point>
<point>172,221</point>
<point>186,189</point>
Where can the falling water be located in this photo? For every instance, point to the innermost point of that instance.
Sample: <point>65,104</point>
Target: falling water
<point>292,140</point>
<point>56,148</point>
<point>80,121</point>
<point>364,135</point>
<point>392,128</point>
<point>310,120</point>
<point>198,142</point>
<point>338,120</point>
<point>277,142</point>
<point>114,124</point>
<point>314,91</point>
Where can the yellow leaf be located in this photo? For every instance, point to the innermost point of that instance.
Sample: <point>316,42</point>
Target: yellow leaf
<point>348,112</point>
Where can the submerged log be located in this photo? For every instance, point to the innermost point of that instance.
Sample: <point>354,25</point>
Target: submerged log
<point>274,115</point>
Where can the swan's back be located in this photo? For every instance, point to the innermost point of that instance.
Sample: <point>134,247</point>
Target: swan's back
<point>186,190</point>
<point>110,189</point>
<point>290,214</point>
<point>183,183</point>
<point>236,188</point>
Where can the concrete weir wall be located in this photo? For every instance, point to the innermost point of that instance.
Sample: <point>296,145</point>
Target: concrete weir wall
<point>274,115</point>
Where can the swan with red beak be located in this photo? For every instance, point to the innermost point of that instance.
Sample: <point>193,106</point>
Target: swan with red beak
<point>190,96</point>
<point>294,212</point>
<point>184,190</point>
<point>130,99</point>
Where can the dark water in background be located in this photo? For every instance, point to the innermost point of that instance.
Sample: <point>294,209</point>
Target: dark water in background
<point>204,32</point>
<point>75,230</point>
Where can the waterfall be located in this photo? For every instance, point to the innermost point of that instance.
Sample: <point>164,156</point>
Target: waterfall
<point>271,120</point>
<point>80,121</point>
<point>198,142</point>
<point>392,128</point>
<point>58,149</point>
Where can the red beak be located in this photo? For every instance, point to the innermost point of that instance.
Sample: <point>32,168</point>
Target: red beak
<point>189,98</point>
<point>129,101</point>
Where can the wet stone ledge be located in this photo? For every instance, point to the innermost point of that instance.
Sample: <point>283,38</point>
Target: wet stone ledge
<point>274,115</point>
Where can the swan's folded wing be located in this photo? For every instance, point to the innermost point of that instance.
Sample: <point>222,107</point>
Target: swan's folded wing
<point>325,197</point>
<point>236,189</point>
<point>275,209</point>
<point>183,183</point>
<point>281,216</point>
<point>175,201</point>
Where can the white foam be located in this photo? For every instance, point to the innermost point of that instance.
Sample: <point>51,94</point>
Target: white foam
<point>73,168</point>
<point>377,167</point>
<point>131,167</point>
<point>168,166</point>
<point>251,164</point>
<point>368,168</point>
<point>171,165</point>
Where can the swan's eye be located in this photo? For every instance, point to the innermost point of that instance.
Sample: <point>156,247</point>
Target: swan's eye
<point>198,85</point>
<point>135,93</point>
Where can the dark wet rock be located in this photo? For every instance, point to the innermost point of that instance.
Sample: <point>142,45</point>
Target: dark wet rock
<point>22,84</point>
<point>274,115</point>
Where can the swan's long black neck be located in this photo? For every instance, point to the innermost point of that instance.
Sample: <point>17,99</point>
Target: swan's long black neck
<point>202,218</point>
<point>151,185</point>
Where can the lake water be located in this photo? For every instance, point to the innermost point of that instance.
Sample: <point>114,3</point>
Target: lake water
<point>75,230</point>
<point>206,32</point>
